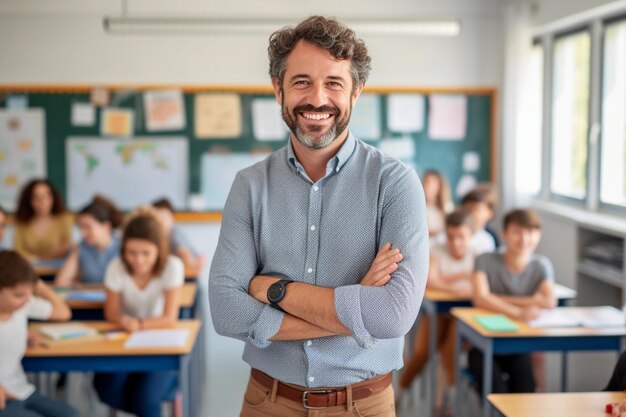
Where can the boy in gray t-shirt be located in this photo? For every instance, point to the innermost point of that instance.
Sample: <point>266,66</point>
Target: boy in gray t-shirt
<point>518,283</point>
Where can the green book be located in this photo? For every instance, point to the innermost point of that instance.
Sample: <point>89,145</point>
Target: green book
<point>497,323</point>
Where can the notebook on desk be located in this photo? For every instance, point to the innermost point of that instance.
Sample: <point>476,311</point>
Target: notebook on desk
<point>497,323</point>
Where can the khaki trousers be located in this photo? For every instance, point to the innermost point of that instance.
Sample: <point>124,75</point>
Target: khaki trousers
<point>259,401</point>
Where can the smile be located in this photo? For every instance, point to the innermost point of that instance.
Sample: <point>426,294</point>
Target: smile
<point>315,116</point>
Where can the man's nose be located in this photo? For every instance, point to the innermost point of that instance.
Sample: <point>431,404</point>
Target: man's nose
<point>317,96</point>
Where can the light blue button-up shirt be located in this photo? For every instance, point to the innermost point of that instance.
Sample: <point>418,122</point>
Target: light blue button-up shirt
<point>278,222</point>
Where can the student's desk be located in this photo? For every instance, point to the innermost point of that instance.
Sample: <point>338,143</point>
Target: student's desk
<point>569,404</point>
<point>441,302</point>
<point>93,310</point>
<point>525,340</point>
<point>111,356</point>
<point>47,273</point>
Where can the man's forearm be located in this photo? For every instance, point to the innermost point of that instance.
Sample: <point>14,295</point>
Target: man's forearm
<point>310,303</point>
<point>294,328</point>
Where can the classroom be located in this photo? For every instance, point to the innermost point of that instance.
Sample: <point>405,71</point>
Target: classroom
<point>403,208</point>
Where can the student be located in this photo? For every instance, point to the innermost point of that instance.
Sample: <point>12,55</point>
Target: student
<point>24,296</point>
<point>451,267</point>
<point>3,222</point>
<point>481,203</point>
<point>618,383</point>
<point>43,228</point>
<point>179,243</point>
<point>438,201</point>
<point>143,287</point>
<point>518,283</point>
<point>88,262</point>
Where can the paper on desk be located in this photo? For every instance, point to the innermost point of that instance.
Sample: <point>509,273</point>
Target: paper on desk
<point>558,317</point>
<point>605,316</point>
<point>157,339</point>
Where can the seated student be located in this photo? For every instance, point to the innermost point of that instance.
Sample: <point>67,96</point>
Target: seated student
<point>43,228</point>
<point>179,243</point>
<point>618,383</point>
<point>22,296</point>
<point>481,203</point>
<point>88,262</point>
<point>451,267</point>
<point>518,283</point>
<point>3,222</point>
<point>143,287</point>
<point>438,201</point>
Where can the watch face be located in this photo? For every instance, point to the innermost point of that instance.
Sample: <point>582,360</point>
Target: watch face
<point>276,292</point>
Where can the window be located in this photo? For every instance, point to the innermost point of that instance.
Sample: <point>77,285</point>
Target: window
<point>613,146</point>
<point>529,125</point>
<point>570,115</point>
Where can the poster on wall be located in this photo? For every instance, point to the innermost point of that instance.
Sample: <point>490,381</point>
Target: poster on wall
<point>22,152</point>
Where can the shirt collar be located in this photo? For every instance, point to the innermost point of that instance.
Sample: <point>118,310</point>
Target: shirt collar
<point>336,162</point>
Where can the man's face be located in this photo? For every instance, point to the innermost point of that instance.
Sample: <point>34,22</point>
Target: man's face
<point>316,95</point>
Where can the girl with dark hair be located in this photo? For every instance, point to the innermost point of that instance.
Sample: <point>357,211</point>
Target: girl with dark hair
<point>143,287</point>
<point>87,262</point>
<point>43,228</point>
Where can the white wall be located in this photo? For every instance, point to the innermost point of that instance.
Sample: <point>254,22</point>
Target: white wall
<point>67,43</point>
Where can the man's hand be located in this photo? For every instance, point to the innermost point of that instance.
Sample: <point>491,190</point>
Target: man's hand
<point>529,313</point>
<point>259,285</point>
<point>385,263</point>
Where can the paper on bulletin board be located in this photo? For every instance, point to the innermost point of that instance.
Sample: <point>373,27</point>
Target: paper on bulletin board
<point>401,148</point>
<point>218,172</point>
<point>117,122</point>
<point>447,117</point>
<point>164,110</point>
<point>100,97</point>
<point>217,116</point>
<point>365,121</point>
<point>22,152</point>
<point>83,114</point>
<point>267,122</point>
<point>405,112</point>
<point>17,102</point>
<point>471,161</point>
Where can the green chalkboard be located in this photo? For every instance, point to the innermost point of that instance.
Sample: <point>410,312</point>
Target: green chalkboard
<point>444,156</point>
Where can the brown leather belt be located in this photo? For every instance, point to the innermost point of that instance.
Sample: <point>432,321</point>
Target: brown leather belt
<point>322,398</point>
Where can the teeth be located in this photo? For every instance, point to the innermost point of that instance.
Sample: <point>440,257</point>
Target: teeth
<point>316,116</point>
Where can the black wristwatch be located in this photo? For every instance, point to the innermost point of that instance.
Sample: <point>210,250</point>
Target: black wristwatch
<point>276,292</point>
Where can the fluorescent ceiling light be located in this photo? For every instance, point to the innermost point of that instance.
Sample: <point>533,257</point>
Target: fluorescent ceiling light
<point>213,26</point>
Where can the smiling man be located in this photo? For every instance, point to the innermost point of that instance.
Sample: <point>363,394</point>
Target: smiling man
<point>323,251</point>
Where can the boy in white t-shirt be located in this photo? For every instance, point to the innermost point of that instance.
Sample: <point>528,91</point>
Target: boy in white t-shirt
<point>22,296</point>
<point>481,204</point>
<point>451,267</point>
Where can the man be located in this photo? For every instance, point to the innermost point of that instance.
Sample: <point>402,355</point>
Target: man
<point>304,271</point>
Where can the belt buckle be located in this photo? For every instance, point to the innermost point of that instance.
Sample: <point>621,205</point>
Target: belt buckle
<point>304,399</point>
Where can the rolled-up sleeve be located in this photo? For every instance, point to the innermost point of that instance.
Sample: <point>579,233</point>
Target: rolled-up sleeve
<point>389,311</point>
<point>233,311</point>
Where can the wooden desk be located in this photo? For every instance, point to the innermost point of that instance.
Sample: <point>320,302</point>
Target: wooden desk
<point>93,310</point>
<point>569,404</point>
<point>441,302</point>
<point>527,339</point>
<point>111,356</point>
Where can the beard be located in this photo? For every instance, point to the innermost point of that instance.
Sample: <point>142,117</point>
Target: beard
<point>314,137</point>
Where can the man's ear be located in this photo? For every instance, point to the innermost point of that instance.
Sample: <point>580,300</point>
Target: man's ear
<point>356,94</point>
<point>278,91</point>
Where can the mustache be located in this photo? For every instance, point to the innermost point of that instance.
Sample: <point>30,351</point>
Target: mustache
<point>312,109</point>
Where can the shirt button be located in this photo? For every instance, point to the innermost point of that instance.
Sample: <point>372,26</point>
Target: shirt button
<point>310,270</point>
<point>312,227</point>
<point>309,343</point>
<point>315,187</point>
<point>311,379</point>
